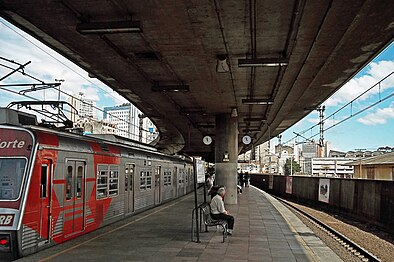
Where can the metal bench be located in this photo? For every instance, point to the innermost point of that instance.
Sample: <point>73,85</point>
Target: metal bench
<point>210,222</point>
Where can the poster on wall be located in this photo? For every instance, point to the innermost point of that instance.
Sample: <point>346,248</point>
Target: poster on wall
<point>200,171</point>
<point>271,182</point>
<point>324,190</point>
<point>289,185</point>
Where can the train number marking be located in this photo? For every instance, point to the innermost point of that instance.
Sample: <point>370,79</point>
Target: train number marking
<point>6,220</point>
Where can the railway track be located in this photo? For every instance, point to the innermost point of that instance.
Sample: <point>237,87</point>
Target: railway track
<point>349,245</point>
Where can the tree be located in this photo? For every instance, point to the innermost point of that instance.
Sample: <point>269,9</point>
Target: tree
<point>290,163</point>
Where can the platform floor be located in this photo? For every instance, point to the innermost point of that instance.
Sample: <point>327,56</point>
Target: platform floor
<point>264,230</point>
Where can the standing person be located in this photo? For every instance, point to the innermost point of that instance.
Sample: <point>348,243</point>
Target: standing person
<point>219,212</point>
<point>209,183</point>
<point>247,179</point>
<point>241,179</point>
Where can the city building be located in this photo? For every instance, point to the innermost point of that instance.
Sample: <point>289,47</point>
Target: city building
<point>309,151</point>
<point>130,123</point>
<point>285,152</point>
<point>84,106</point>
<point>379,167</point>
<point>332,167</point>
<point>93,126</point>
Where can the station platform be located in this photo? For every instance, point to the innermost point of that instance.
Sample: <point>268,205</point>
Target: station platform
<point>264,230</point>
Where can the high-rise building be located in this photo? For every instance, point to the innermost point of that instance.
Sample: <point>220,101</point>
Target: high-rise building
<point>309,151</point>
<point>84,106</point>
<point>128,120</point>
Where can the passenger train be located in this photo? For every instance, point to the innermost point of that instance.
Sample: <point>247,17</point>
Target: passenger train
<point>57,185</point>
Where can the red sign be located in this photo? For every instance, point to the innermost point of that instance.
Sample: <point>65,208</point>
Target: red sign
<point>6,220</point>
<point>15,142</point>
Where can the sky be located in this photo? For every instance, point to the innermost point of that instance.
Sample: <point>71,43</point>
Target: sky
<point>369,129</point>
<point>48,66</point>
<point>354,119</point>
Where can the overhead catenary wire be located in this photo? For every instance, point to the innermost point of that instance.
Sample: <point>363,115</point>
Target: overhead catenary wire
<point>345,106</point>
<point>156,133</point>
<point>88,80</point>
<point>68,111</point>
<point>21,35</point>
<point>63,92</point>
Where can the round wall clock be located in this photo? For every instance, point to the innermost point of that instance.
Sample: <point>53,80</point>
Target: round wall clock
<point>207,140</point>
<point>246,140</point>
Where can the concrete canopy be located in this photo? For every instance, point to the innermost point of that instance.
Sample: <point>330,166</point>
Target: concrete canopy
<point>325,43</point>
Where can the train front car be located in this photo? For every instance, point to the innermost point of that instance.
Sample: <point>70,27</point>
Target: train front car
<point>17,152</point>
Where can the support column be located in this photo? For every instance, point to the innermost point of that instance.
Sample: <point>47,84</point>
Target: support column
<point>226,155</point>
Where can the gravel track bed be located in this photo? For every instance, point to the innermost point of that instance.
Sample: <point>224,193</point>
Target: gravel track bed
<point>379,243</point>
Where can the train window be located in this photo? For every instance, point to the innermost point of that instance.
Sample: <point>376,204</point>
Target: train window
<point>148,180</point>
<point>114,181</point>
<point>131,176</point>
<point>69,179</point>
<point>180,176</point>
<point>145,180</point>
<point>167,178</point>
<point>11,174</point>
<point>102,181</point>
<point>79,181</point>
<point>126,178</point>
<point>43,186</point>
<point>142,180</point>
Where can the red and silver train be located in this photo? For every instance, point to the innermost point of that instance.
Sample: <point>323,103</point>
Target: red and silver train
<point>55,186</point>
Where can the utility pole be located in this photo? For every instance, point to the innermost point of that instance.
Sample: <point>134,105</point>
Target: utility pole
<point>321,109</point>
<point>280,150</point>
<point>141,123</point>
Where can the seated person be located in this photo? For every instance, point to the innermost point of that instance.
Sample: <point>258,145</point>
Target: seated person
<point>219,212</point>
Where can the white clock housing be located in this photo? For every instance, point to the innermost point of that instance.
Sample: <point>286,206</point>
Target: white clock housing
<point>246,139</point>
<point>207,140</point>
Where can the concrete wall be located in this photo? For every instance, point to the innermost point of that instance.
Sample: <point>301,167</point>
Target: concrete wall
<point>370,201</point>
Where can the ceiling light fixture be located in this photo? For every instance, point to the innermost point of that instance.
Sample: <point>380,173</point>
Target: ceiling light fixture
<point>222,66</point>
<point>206,125</point>
<point>109,27</point>
<point>170,88</point>
<point>251,130</point>
<point>252,119</point>
<point>256,101</point>
<point>192,111</point>
<point>263,62</point>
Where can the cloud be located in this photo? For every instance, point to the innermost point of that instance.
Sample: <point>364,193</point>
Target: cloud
<point>46,65</point>
<point>376,72</point>
<point>379,117</point>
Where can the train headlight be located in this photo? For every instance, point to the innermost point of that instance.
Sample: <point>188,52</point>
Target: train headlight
<point>5,243</point>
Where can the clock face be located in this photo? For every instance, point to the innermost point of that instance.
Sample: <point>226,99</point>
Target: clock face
<point>246,140</point>
<point>207,140</point>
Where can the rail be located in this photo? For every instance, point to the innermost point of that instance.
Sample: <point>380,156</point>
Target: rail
<point>350,245</point>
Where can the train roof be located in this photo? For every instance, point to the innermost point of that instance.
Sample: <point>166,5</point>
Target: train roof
<point>12,117</point>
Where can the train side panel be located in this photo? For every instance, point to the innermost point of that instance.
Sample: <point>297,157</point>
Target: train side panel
<point>77,184</point>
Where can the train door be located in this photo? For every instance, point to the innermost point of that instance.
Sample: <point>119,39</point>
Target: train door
<point>74,204</point>
<point>157,185</point>
<point>185,181</point>
<point>129,188</point>
<point>45,200</point>
<point>180,182</point>
<point>175,181</point>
